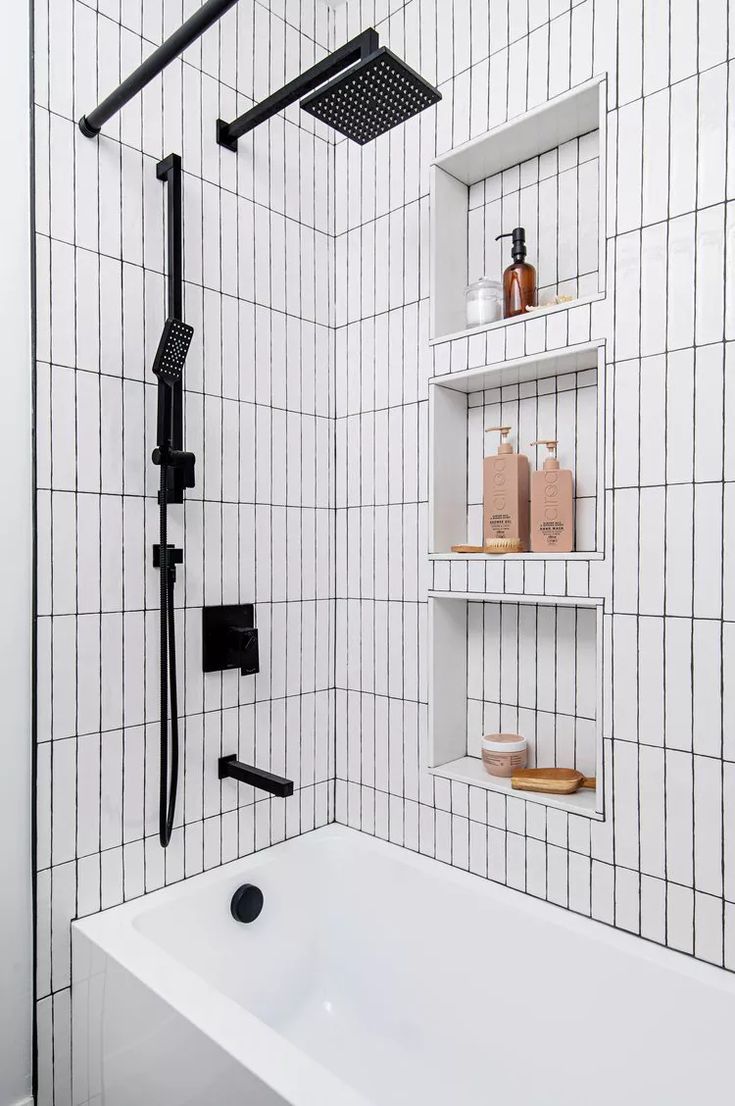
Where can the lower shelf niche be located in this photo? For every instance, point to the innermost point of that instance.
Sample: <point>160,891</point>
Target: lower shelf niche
<point>516,664</point>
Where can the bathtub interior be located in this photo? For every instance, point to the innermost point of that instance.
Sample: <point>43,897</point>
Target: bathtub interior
<point>415,983</point>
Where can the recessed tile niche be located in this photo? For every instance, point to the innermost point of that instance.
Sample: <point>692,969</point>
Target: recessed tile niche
<point>552,395</point>
<point>520,664</point>
<point>544,171</point>
<point>555,196</point>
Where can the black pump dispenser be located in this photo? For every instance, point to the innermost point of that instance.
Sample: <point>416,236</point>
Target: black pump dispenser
<point>519,279</point>
<point>518,249</point>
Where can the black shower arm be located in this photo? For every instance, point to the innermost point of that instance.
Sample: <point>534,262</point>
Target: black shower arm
<point>91,124</point>
<point>357,49</point>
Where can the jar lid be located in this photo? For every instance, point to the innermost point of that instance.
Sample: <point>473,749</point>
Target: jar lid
<point>504,743</point>
<point>485,284</point>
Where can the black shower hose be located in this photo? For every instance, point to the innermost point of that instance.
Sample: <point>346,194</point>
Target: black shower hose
<point>168,783</point>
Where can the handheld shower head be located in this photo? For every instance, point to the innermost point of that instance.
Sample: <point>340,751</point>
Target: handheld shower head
<point>371,97</point>
<point>168,365</point>
<point>172,350</point>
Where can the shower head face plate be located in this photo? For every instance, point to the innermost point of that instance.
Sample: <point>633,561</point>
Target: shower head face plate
<point>371,97</point>
<point>172,350</point>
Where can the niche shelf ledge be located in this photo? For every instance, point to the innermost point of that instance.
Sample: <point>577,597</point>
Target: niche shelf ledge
<point>539,313</point>
<point>470,770</point>
<point>469,558</point>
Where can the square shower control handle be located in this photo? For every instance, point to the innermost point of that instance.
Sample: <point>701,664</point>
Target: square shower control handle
<point>230,639</point>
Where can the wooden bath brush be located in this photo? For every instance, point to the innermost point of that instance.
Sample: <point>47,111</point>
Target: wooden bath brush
<point>494,545</point>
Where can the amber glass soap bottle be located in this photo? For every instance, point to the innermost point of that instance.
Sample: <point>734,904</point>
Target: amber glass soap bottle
<point>519,279</point>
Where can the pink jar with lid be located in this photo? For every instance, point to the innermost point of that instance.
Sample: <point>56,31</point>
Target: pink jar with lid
<point>504,753</point>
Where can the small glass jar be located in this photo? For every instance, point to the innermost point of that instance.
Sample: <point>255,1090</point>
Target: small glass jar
<point>483,302</point>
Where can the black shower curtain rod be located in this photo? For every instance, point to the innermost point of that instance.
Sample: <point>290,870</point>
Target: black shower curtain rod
<point>91,124</point>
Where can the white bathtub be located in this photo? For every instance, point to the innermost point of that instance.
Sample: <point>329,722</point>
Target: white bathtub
<point>374,976</point>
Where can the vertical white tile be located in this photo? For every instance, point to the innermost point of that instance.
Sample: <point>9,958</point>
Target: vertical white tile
<point>680,917</point>
<point>683,44</point>
<point>630,164</point>
<point>602,892</point>
<point>580,884</point>
<point>655,45</point>
<point>679,817</point>
<point>653,280</point>
<point>651,576</point>
<point>681,284</point>
<point>708,503</point>
<point>626,516</point>
<point>679,555</point>
<point>627,298</point>
<point>708,922</point>
<point>683,138</point>
<point>655,156</point>
<point>679,405</point>
<point>627,900</point>
<point>652,811</point>
<point>626,808</point>
<point>710,303</point>
<point>63,795</point>
<point>712,34</point>
<point>653,909</point>
<point>678,683</point>
<point>630,30</point>
<point>711,140</point>
<point>708,827</point>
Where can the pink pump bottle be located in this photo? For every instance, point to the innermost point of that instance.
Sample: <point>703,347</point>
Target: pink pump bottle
<point>505,496</point>
<point>552,505</point>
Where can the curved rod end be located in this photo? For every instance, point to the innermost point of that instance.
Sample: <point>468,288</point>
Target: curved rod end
<point>87,130</point>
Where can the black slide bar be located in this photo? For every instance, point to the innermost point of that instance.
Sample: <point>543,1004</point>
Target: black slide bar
<point>169,171</point>
<point>353,51</point>
<point>90,125</point>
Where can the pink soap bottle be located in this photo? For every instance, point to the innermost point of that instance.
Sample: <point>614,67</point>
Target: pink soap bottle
<point>552,505</point>
<point>505,494</point>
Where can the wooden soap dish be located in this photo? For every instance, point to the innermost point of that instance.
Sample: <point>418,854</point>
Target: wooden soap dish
<point>551,781</point>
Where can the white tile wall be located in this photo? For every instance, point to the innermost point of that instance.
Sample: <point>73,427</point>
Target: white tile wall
<point>259,416</point>
<point>662,864</point>
<point>307,281</point>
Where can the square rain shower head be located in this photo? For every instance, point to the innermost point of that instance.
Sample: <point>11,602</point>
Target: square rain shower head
<point>371,97</point>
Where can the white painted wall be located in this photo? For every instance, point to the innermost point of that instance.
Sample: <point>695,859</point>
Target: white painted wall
<point>15,562</point>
